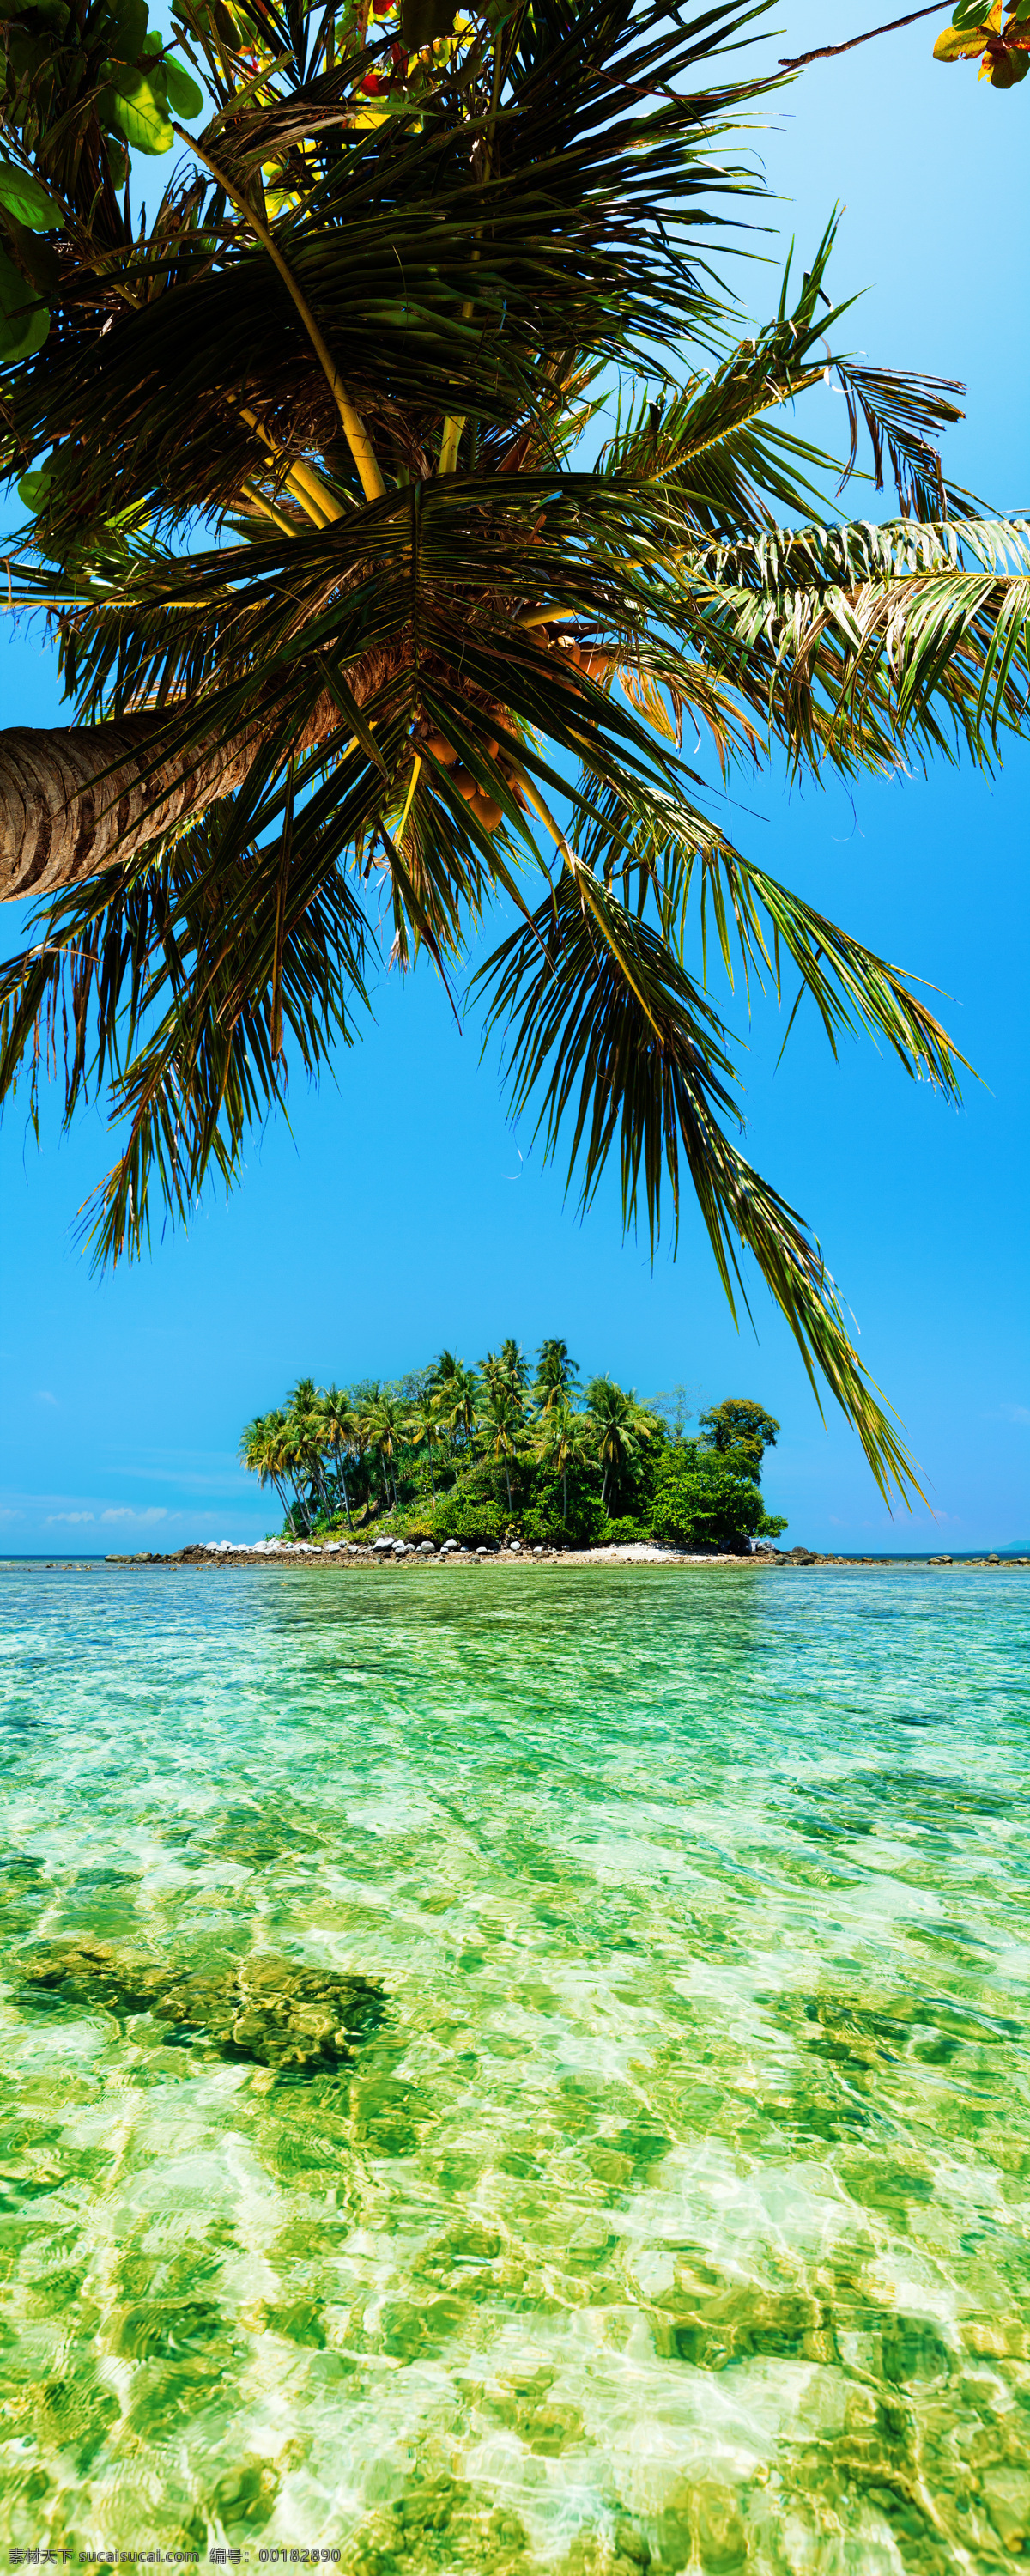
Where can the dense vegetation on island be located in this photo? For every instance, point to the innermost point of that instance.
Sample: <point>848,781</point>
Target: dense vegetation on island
<point>507,1449</point>
<point>426,529</point>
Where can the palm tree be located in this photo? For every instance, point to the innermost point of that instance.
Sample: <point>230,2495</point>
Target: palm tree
<point>514,1369</point>
<point>562,1436</point>
<point>502,1415</point>
<point>337,591</point>
<point>383,1428</point>
<point>304,1415</point>
<point>456,1402</point>
<point>557,1376</point>
<point>261,1451</point>
<point>338,1427</point>
<point>443,1370</point>
<point>618,1424</point>
<point>423,1430</point>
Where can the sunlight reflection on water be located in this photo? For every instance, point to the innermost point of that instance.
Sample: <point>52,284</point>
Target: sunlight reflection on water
<point>676,2210</point>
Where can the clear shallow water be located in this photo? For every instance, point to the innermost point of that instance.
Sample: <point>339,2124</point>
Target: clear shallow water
<point>678,2205</point>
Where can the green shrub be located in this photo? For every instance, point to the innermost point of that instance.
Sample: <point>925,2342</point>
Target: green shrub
<point>476,1519</point>
<point>704,1500</point>
<point>622,1532</point>
<point>541,1517</point>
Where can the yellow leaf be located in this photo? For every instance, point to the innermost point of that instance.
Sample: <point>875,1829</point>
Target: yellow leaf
<point>956,47</point>
<point>643,694</point>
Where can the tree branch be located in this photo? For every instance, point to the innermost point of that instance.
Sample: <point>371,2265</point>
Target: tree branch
<point>798,61</point>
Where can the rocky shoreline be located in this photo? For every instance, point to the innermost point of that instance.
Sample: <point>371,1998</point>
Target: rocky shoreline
<point>339,1555</point>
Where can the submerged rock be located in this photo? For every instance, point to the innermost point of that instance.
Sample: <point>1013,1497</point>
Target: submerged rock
<point>273,2011</point>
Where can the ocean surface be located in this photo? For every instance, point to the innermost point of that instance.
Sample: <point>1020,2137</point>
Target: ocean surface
<point>672,2209</point>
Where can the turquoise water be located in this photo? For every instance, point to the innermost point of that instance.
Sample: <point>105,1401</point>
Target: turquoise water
<point>672,2211</point>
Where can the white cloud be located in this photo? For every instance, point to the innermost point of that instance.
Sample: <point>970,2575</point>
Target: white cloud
<point>55,1519</point>
<point>125,1512</point>
<point>43,1396</point>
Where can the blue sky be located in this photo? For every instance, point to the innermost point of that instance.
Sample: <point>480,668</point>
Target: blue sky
<point>403,1213</point>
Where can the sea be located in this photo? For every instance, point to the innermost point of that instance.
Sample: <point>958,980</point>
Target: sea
<point>667,2209</point>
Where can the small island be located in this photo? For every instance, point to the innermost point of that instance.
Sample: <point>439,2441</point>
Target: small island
<point>513,1452</point>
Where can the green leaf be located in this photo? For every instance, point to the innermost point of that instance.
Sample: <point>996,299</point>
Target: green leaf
<point>183,93</point>
<point>129,30</point>
<point>133,102</point>
<point>34,488</point>
<point>24,322</point>
<point>23,197</point>
<point>1010,69</point>
<point>971,13</point>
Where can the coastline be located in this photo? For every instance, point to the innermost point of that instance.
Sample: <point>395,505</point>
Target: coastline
<point>343,1556</point>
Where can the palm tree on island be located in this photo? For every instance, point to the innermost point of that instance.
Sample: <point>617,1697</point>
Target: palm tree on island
<point>455,1400</point>
<point>557,1375</point>
<point>371,612</point>
<point>618,1424</point>
<point>339,1426</point>
<point>563,1437</point>
<point>502,1417</point>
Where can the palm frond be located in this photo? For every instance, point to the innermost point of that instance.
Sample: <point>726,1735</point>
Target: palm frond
<point>604,1021</point>
<point>164,992</point>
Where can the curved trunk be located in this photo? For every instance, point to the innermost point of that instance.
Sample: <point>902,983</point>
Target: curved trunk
<point>79,799</point>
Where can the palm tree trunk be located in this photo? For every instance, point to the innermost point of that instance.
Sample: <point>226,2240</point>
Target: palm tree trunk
<point>75,800</point>
<point>507,1479</point>
<point>565,1493</point>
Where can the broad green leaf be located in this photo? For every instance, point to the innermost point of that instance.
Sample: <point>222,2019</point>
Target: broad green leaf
<point>183,93</point>
<point>24,197</point>
<point>35,486</point>
<point>129,30</point>
<point>1008,70</point>
<point>135,104</point>
<point>972,14</point>
<point>24,321</point>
